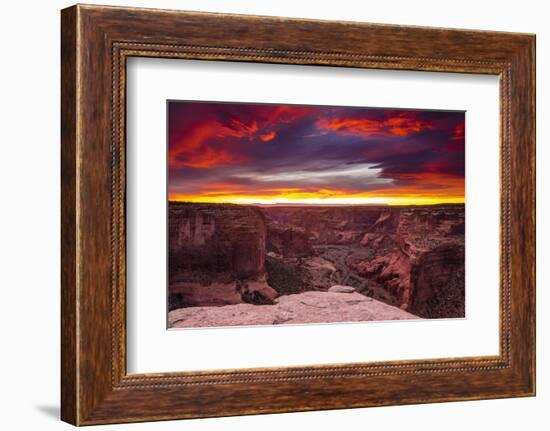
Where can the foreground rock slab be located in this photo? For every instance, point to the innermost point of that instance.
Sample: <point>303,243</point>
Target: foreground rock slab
<point>307,307</point>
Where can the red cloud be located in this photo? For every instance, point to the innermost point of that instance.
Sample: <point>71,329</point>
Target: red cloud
<point>238,128</point>
<point>209,158</point>
<point>459,132</point>
<point>268,136</point>
<point>204,146</point>
<point>402,124</point>
<point>207,141</point>
<point>457,139</point>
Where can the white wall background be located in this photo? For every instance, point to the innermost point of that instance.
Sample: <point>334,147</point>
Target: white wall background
<point>29,216</point>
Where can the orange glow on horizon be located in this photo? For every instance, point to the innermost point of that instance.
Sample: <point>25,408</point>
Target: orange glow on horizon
<point>306,198</point>
<point>449,190</point>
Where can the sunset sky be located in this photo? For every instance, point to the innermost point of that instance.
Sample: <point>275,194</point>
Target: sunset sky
<point>265,154</point>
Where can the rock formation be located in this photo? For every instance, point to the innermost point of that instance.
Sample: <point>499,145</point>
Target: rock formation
<point>410,240</point>
<point>289,242</point>
<point>377,249</point>
<point>408,257</point>
<point>217,255</point>
<point>438,282</point>
<point>323,225</point>
<point>307,307</point>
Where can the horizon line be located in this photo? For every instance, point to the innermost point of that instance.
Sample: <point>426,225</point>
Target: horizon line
<point>304,204</point>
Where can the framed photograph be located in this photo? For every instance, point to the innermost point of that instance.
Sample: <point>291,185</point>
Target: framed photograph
<point>264,215</point>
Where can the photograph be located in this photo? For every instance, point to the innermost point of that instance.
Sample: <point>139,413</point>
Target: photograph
<point>275,215</point>
<point>285,214</point>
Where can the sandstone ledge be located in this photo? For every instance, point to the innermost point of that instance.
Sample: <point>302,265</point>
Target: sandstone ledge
<point>307,307</point>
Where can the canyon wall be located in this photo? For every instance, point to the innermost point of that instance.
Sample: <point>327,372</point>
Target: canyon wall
<point>438,281</point>
<point>216,255</point>
<point>323,224</point>
<point>408,242</point>
<point>412,257</point>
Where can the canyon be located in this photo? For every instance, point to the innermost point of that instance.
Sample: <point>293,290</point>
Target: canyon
<point>253,261</point>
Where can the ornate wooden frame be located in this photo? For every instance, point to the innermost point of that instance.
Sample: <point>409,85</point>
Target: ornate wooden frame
<point>95,42</point>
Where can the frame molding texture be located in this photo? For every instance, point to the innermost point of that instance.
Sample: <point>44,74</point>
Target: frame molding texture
<point>95,43</point>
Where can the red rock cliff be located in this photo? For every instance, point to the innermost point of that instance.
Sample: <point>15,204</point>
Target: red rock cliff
<point>407,243</point>
<point>216,254</point>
